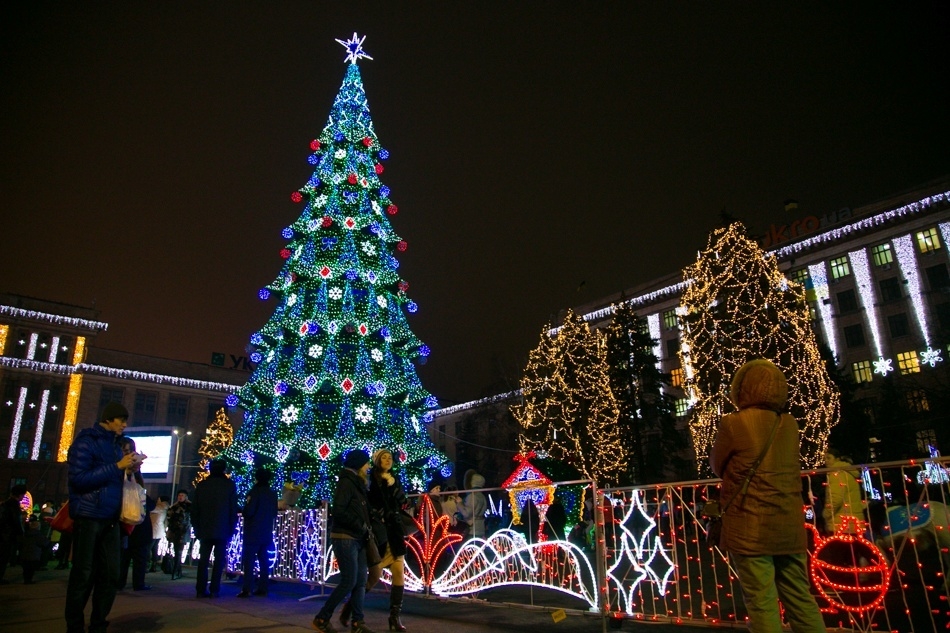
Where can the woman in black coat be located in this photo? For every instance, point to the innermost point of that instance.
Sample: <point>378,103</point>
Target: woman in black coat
<point>387,500</point>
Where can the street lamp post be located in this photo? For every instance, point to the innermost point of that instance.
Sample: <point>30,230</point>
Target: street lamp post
<point>180,435</point>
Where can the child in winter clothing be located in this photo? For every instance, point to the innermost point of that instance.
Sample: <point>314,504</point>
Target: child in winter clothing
<point>32,545</point>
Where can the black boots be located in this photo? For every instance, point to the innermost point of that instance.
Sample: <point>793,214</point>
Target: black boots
<point>395,608</point>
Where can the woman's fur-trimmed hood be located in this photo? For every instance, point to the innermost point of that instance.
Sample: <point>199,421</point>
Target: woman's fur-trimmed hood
<point>759,383</point>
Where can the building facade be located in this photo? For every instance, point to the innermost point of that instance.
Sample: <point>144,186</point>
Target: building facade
<point>55,381</point>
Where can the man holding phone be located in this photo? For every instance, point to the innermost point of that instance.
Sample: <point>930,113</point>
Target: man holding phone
<point>96,469</point>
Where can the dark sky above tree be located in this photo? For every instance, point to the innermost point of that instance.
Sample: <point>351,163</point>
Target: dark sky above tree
<point>149,150</point>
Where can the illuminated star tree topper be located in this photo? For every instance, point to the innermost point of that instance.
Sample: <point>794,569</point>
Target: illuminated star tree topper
<point>354,48</point>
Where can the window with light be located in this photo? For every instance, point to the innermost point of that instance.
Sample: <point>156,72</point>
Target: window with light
<point>908,363</point>
<point>676,377</point>
<point>840,268</point>
<point>882,254</point>
<point>928,240</point>
<point>862,371</point>
<point>669,319</point>
<point>682,406</point>
<point>917,401</point>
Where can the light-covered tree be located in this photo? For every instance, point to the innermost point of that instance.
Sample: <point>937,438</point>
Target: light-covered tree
<point>568,411</point>
<point>739,306</point>
<point>218,436</point>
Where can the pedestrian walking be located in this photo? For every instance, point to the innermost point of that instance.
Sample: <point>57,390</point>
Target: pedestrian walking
<point>259,514</point>
<point>214,517</point>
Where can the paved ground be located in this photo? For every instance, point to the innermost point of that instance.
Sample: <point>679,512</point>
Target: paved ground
<point>172,606</point>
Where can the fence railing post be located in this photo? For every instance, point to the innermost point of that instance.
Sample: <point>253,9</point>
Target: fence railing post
<point>600,552</point>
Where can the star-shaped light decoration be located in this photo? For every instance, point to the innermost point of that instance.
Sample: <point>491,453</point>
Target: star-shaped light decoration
<point>931,356</point>
<point>354,48</point>
<point>883,366</point>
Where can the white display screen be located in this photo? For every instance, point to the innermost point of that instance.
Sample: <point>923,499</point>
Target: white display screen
<point>159,448</point>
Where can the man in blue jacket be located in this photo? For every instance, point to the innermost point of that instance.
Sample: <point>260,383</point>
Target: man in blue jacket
<point>96,471</point>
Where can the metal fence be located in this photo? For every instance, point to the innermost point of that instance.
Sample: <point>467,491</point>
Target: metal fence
<point>641,553</point>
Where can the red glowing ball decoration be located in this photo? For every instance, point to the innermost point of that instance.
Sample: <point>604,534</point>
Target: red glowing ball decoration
<point>402,245</point>
<point>315,145</point>
<point>351,179</point>
<point>285,253</point>
<point>392,209</point>
<point>296,197</point>
<point>379,168</point>
<point>367,141</point>
<point>327,222</point>
<point>850,571</point>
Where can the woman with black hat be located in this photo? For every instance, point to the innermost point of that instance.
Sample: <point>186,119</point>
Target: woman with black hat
<point>348,537</point>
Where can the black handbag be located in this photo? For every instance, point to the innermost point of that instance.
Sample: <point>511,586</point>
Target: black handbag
<point>712,512</point>
<point>409,526</point>
<point>372,551</point>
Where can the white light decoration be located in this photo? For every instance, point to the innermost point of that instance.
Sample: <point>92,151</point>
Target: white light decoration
<point>930,356</point>
<point>653,324</point>
<point>52,318</point>
<point>40,423</point>
<point>156,378</point>
<point>31,350</point>
<point>865,284</point>
<point>17,421</point>
<point>883,366</point>
<point>354,48</point>
<point>474,404</point>
<point>904,247</point>
<point>933,472</point>
<point>819,279</point>
<point>634,562</point>
<point>53,349</point>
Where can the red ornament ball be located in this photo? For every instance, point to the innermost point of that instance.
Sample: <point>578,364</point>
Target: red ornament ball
<point>285,253</point>
<point>379,168</point>
<point>392,209</point>
<point>401,246</point>
<point>296,197</point>
<point>367,141</point>
<point>293,277</point>
<point>327,222</point>
<point>403,286</point>
<point>351,179</point>
<point>315,145</point>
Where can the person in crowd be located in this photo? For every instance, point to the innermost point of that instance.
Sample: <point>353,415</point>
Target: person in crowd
<point>450,507</point>
<point>259,514</point>
<point>387,500</point>
<point>178,530</point>
<point>11,527</point>
<point>435,494</point>
<point>95,474</point>
<point>473,507</point>
<point>843,498</point>
<point>349,536</point>
<point>136,544</point>
<point>214,517</point>
<point>157,521</point>
<point>33,543</point>
<point>763,527</point>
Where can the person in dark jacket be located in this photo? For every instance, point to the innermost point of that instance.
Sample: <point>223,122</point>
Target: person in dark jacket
<point>11,527</point>
<point>348,537</point>
<point>137,543</point>
<point>32,545</point>
<point>178,530</point>
<point>214,516</point>
<point>96,467</point>
<point>259,514</point>
<point>387,500</point>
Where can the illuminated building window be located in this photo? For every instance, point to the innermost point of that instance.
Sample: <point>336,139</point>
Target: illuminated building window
<point>891,289</point>
<point>682,406</point>
<point>812,312</point>
<point>917,401</point>
<point>847,301</point>
<point>854,335</point>
<point>799,276</point>
<point>145,404</point>
<point>908,363</point>
<point>669,319</point>
<point>925,439</point>
<point>676,377</point>
<point>882,254</point>
<point>898,325</point>
<point>862,371</point>
<point>840,268</point>
<point>23,450</point>
<point>928,240</point>
<point>937,277</point>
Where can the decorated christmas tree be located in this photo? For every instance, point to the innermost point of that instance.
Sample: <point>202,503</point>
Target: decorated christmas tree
<point>739,306</point>
<point>568,411</point>
<point>335,361</point>
<point>218,437</point>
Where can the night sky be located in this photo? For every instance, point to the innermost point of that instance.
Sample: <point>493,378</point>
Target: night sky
<point>543,154</point>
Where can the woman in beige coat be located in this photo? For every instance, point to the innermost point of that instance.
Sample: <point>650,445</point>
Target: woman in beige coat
<point>764,528</point>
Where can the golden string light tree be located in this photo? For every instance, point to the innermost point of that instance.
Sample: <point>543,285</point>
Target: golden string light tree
<point>738,306</point>
<point>568,411</point>
<point>218,436</point>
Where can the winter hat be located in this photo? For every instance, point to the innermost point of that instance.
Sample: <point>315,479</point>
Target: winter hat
<point>114,410</point>
<point>218,467</point>
<point>355,459</point>
<point>378,453</point>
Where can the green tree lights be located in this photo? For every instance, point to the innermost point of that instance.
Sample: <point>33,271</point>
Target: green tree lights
<point>335,361</point>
